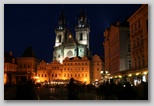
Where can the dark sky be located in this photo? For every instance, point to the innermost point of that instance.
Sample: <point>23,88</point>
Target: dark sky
<point>34,24</point>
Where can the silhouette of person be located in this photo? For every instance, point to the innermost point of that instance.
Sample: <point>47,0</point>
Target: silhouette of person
<point>72,90</point>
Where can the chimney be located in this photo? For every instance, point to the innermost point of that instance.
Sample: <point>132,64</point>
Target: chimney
<point>10,53</point>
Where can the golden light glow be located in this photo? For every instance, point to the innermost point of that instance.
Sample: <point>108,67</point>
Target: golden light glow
<point>85,79</point>
<point>36,77</point>
<point>38,81</point>
<point>137,73</point>
<point>115,77</point>
<point>96,79</point>
<point>145,73</point>
<point>101,72</point>
<point>70,36</point>
<point>120,76</point>
<point>130,75</point>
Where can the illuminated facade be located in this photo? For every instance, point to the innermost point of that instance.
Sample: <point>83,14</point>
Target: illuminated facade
<point>82,69</point>
<point>10,66</point>
<point>139,37</point>
<point>20,68</point>
<point>66,45</point>
<point>138,25</point>
<point>117,47</point>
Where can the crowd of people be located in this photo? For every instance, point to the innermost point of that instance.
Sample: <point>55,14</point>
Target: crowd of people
<point>26,90</point>
<point>108,90</point>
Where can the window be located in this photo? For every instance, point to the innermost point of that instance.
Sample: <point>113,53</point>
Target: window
<point>81,36</point>
<point>86,75</point>
<point>135,27</point>
<point>64,75</point>
<point>68,75</point>
<point>55,75</point>
<point>132,29</point>
<point>134,43</point>
<point>52,75</point>
<point>128,47</point>
<point>139,24</point>
<point>78,75</point>
<point>42,75</point>
<point>59,38</point>
<point>97,69</point>
<point>45,75</point>
<point>129,64</point>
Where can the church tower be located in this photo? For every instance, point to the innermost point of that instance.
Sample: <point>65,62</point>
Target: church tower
<point>60,30</point>
<point>82,29</point>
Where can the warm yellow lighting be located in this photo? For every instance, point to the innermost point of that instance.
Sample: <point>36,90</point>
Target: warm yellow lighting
<point>36,77</point>
<point>137,73</point>
<point>115,77</point>
<point>130,75</point>
<point>96,79</point>
<point>101,72</point>
<point>145,73</point>
<point>106,72</point>
<point>38,81</point>
<point>70,36</point>
<point>111,77</point>
<point>85,79</point>
<point>120,76</point>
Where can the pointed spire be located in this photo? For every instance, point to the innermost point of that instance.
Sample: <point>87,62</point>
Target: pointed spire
<point>82,19</point>
<point>62,17</point>
<point>82,13</point>
<point>61,23</point>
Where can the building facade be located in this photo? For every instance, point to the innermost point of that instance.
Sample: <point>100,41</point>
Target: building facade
<point>117,47</point>
<point>139,37</point>
<point>65,44</point>
<point>84,70</point>
<point>20,69</point>
<point>10,67</point>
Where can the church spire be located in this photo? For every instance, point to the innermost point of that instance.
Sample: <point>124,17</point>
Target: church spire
<point>61,22</point>
<point>82,19</point>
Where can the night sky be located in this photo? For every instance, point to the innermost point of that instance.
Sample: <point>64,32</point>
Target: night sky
<point>34,25</point>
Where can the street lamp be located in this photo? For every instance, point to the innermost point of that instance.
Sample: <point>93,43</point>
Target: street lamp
<point>104,74</point>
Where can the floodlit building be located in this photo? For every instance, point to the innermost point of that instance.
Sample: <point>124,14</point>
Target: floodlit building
<point>68,46</point>
<point>10,66</point>
<point>139,37</point>
<point>117,47</point>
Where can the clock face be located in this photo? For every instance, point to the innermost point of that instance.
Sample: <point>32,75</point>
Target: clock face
<point>69,53</point>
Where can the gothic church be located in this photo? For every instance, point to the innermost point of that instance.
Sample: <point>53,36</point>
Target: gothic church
<point>66,45</point>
